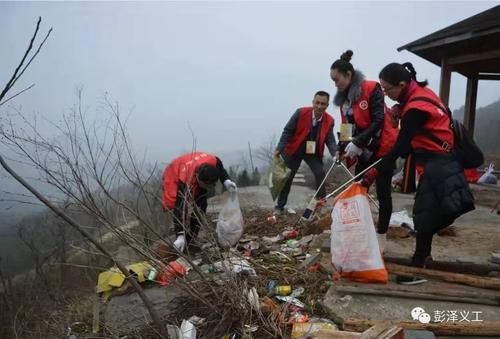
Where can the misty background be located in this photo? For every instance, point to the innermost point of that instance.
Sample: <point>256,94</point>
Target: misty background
<point>224,73</point>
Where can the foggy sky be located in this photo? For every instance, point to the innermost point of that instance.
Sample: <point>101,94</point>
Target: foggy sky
<point>232,71</point>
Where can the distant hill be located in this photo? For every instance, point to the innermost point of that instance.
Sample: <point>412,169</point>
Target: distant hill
<point>487,126</point>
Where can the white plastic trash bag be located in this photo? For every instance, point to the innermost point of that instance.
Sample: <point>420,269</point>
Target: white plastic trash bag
<point>354,246</point>
<point>488,177</point>
<point>230,222</point>
<point>402,218</point>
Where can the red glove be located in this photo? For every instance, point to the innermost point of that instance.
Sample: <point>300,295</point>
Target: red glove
<point>369,177</point>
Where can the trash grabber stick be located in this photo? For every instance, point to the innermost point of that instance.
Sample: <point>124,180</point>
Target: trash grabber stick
<point>369,196</point>
<point>308,211</point>
<point>494,207</point>
<point>352,179</point>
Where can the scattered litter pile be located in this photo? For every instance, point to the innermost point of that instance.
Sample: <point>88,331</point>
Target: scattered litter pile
<point>278,282</point>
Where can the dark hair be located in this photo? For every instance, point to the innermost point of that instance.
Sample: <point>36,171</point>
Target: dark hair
<point>323,94</point>
<point>343,65</point>
<point>208,174</point>
<point>394,73</point>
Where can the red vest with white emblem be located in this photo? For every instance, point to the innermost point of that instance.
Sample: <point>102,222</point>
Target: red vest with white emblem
<point>362,117</point>
<point>184,169</point>
<point>303,129</point>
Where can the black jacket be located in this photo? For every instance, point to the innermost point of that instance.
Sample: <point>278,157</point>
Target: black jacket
<point>369,137</point>
<point>443,192</point>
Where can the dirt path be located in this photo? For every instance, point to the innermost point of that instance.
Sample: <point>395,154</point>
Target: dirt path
<point>477,235</point>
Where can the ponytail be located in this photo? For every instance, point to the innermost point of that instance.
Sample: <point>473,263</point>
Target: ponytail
<point>394,73</point>
<point>413,74</point>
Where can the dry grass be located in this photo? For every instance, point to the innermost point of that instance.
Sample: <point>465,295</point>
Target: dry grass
<point>221,298</point>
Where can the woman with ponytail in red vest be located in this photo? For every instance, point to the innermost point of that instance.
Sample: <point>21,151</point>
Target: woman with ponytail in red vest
<point>443,193</point>
<point>364,113</point>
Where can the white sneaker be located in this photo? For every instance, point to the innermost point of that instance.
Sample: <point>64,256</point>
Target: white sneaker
<point>382,241</point>
<point>404,280</point>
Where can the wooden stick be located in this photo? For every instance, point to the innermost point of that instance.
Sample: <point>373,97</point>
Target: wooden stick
<point>476,328</point>
<point>465,279</point>
<point>415,295</point>
<point>457,267</point>
<point>96,312</point>
<point>431,289</point>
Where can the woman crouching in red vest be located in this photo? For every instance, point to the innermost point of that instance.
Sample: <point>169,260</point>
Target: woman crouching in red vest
<point>187,179</point>
<point>369,128</point>
<point>443,193</point>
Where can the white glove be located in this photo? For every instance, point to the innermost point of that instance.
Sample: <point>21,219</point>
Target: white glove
<point>230,186</point>
<point>352,150</point>
<point>180,242</point>
<point>382,241</point>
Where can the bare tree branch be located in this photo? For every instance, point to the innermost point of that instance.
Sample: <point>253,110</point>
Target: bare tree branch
<point>15,95</point>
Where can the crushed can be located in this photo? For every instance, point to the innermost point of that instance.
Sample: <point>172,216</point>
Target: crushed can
<point>283,290</point>
<point>290,234</point>
<point>271,220</point>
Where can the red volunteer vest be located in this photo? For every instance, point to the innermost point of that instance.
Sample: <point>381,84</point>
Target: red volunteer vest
<point>303,128</point>
<point>183,169</point>
<point>362,118</point>
<point>438,123</point>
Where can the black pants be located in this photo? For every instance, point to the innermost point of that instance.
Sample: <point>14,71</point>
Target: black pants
<point>198,213</point>
<point>423,245</point>
<point>429,219</point>
<point>316,166</point>
<point>383,186</point>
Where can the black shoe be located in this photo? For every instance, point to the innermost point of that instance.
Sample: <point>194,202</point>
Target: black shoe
<point>406,280</point>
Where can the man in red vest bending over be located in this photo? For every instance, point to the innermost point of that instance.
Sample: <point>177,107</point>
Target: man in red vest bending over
<point>187,179</point>
<point>304,138</point>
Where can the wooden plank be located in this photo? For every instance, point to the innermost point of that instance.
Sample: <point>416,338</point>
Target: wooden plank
<point>465,279</point>
<point>449,266</point>
<point>444,85</point>
<point>442,42</point>
<point>328,334</point>
<point>473,57</point>
<point>480,328</point>
<point>470,104</point>
<point>415,295</point>
<point>383,330</point>
<point>431,289</point>
<point>488,77</point>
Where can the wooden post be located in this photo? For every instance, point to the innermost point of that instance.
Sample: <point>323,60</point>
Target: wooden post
<point>444,85</point>
<point>470,103</point>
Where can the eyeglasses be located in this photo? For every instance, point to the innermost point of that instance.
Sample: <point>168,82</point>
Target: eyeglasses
<point>388,89</point>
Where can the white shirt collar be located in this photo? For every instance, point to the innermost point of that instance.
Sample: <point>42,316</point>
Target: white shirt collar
<point>317,120</point>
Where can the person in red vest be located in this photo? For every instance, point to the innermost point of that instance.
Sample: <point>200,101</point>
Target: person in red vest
<point>304,138</point>
<point>443,193</point>
<point>187,179</point>
<point>370,128</point>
